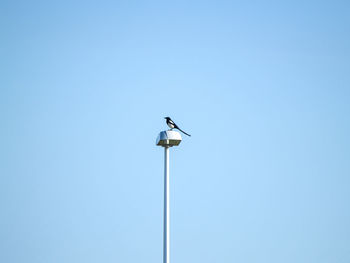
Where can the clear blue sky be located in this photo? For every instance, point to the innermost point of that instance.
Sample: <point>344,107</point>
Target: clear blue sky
<point>262,86</point>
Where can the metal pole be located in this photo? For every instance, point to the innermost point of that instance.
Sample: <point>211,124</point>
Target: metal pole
<point>166,240</point>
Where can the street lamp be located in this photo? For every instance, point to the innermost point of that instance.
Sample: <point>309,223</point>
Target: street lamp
<point>167,139</point>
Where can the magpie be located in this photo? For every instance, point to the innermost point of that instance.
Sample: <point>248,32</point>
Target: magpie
<point>172,125</point>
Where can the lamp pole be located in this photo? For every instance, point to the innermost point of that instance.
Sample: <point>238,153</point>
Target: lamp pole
<point>167,139</point>
<point>166,237</point>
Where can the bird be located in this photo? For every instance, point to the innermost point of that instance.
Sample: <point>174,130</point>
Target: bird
<point>172,125</point>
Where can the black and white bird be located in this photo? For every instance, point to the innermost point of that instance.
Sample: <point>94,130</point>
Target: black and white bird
<point>172,125</point>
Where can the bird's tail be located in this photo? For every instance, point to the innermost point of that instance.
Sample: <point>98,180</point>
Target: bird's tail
<point>183,131</point>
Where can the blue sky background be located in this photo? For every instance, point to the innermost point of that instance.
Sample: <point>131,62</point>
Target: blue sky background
<point>262,86</point>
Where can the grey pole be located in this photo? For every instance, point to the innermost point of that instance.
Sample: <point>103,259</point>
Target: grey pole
<point>167,139</point>
<point>166,240</point>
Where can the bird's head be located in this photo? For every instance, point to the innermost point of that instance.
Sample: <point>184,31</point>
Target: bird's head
<point>167,118</point>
